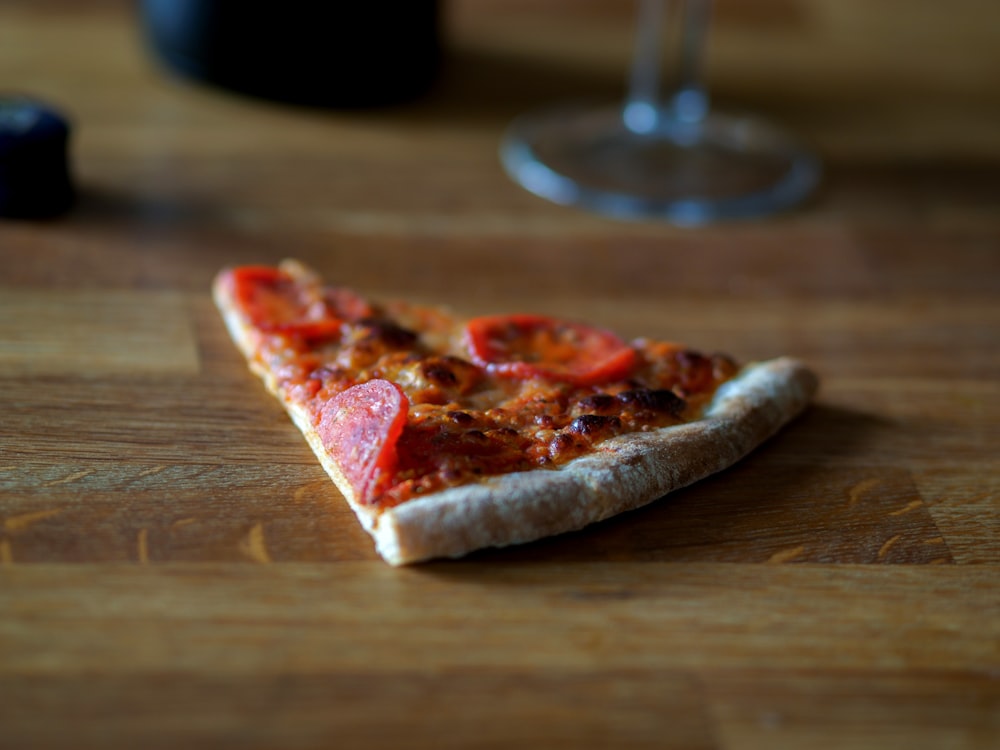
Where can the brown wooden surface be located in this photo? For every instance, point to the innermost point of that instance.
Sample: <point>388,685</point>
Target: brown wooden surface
<point>176,570</point>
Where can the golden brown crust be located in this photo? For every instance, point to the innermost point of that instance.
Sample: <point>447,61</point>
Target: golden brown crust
<point>624,473</point>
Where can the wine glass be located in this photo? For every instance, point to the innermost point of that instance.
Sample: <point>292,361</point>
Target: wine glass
<point>661,155</point>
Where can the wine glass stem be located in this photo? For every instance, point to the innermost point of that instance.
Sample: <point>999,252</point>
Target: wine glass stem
<point>647,107</point>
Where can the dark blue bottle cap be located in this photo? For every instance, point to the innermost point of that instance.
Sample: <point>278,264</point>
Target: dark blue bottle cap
<point>34,170</point>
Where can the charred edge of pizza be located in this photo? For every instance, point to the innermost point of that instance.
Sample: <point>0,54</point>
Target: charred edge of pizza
<point>625,473</point>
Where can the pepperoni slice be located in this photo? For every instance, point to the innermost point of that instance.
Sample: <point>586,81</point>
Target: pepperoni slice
<point>360,428</point>
<point>524,346</point>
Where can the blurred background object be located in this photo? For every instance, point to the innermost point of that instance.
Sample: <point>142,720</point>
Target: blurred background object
<point>661,153</point>
<point>34,168</point>
<point>336,54</point>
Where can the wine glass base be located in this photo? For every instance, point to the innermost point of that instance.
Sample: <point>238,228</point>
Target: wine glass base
<point>723,167</point>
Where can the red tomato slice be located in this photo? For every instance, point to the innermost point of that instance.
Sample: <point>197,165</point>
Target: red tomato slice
<point>278,302</point>
<point>524,346</point>
<point>347,304</point>
<point>266,295</point>
<point>360,428</point>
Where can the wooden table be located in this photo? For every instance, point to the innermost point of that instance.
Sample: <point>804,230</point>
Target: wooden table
<point>178,572</point>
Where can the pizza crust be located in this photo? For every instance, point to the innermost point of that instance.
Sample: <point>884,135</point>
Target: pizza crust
<point>624,473</point>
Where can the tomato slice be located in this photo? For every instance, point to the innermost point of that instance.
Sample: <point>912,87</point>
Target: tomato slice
<point>524,346</point>
<point>266,296</point>
<point>347,304</point>
<point>360,428</point>
<point>276,301</point>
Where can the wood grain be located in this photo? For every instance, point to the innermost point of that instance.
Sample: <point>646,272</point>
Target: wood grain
<point>305,618</point>
<point>177,571</point>
<point>95,331</point>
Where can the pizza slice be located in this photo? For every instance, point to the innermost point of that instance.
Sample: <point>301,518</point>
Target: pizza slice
<point>448,435</point>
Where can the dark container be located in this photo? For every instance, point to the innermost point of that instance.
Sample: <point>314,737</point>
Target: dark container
<point>326,53</point>
<point>35,180</point>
